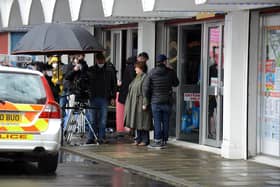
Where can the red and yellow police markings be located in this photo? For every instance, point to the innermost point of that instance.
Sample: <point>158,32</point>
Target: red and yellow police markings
<point>22,118</point>
<point>16,136</point>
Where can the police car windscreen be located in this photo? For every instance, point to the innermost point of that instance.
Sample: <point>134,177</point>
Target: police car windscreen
<point>22,88</point>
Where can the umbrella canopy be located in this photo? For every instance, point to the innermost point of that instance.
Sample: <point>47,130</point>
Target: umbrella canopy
<point>54,38</point>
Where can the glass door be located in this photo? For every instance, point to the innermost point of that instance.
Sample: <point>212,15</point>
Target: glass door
<point>189,91</point>
<point>117,51</point>
<point>172,52</point>
<point>269,88</point>
<point>213,84</point>
<point>107,45</point>
<point>132,43</point>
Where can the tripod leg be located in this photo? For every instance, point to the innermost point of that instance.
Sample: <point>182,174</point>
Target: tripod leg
<point>81,123</point>
<point>90,128</point>
<point>69,135</point>
<point>85,121</point>
<point>69,127</point>
<point>67,123</point>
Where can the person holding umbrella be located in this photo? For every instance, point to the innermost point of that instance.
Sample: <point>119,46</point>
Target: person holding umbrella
<point>79,79</point>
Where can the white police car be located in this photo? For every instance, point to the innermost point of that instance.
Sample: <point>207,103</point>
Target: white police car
<point>30,119</point>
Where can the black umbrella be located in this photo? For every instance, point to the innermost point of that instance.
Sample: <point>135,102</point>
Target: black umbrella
<point>54,38</point>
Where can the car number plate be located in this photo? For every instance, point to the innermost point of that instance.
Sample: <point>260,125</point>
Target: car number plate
<point>10,118</point>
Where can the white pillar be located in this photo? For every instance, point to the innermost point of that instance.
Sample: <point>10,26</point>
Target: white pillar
<point>234,144</point>
<point>147,40</point>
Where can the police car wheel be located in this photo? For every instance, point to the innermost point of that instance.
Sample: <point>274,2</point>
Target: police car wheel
<point>48,163</point>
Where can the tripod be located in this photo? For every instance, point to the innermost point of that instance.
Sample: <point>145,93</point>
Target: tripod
<point>76,122</point>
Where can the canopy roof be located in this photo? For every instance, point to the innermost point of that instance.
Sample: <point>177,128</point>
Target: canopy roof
<point>14,13</point>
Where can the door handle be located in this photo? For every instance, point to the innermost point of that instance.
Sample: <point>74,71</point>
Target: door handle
<point>216,91</point>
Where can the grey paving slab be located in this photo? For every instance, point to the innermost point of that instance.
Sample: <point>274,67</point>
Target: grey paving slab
<point>183,167</point>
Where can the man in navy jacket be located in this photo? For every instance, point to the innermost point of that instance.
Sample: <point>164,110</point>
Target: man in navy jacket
<point>158,88</point>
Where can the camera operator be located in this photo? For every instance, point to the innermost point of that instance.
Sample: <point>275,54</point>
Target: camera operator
<point>79,79</point>
<point>103,86</point>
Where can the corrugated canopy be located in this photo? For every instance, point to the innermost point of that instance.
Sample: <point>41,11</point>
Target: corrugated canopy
<point>32,12</point>
<point>15,13</point>
<point>207,5</point>
<point>239,2</point>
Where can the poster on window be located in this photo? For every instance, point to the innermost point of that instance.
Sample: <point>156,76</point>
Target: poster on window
<point>270,70</point>
<point>271,120</point>
<point>273,41</point>
<point>271,127</point>
<point>272,63</point>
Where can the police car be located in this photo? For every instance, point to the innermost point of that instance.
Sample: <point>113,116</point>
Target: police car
<point>30,119</point>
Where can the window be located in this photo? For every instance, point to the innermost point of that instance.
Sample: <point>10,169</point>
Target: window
<point>172,47</point>
<point>107,45</point>
<point>269,88</point>
<point>22,88</point>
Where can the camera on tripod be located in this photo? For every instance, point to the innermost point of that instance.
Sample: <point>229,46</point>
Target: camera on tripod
<point>81,90</point>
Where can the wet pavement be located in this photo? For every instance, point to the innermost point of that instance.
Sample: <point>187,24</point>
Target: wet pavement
<point>72,171</point>
<point>182,166</point>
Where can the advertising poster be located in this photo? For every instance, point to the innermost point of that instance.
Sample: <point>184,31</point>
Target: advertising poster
<point>271,126</point>
<point>270,75</point>
<point>271,115</point>
<point>273,38</point>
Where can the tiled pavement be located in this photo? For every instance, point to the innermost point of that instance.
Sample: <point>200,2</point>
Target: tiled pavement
<point>182,166</point>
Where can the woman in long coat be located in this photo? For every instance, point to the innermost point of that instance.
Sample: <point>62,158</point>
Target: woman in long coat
<point>137,112</point>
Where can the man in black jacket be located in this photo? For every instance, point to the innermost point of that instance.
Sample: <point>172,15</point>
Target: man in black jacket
<point>78,78</point>
<point>103,86</point>
<point>128,75</point>
<point>158,87</point>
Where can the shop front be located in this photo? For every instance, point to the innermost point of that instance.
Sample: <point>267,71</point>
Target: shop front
<point>120,42</point>
<point>195,51</point>
<point>265,123</point>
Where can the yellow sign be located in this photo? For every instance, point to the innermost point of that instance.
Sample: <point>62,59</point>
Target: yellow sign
<point>204,15</point>
<point>10,118</point>
<point>16,137</point>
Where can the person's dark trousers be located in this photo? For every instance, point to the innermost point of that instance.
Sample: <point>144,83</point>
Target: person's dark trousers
<point>63,101</point>
<point>99,117</point>
<point>161,113</point>
<point>142,136</point>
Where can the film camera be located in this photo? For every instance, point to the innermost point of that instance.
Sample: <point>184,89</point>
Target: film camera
<point>81,89</point>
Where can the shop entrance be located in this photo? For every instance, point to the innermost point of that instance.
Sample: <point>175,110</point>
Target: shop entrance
<point>189,91</point>
<point>269,88</point>
<point>213,84</point>
<point>200,96</point>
